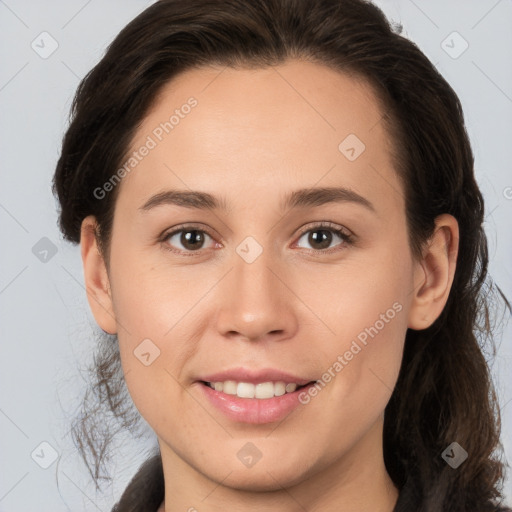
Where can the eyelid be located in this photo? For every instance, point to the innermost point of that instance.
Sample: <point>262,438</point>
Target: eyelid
<point>187,225</point>
<point>326,225</point>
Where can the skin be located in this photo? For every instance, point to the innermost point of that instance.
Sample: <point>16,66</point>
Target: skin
<point>255,136</point>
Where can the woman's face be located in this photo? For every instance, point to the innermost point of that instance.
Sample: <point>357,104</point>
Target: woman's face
<point>258,287</point>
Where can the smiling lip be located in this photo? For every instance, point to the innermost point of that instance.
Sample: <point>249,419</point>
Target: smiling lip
<point>254,377</point>
<point>253,410</point>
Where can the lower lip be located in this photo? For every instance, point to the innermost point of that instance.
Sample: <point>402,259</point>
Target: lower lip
<point>254,410</point>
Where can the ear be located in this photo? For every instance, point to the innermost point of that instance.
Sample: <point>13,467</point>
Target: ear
<point>97,282</point>
<point>433,275</point>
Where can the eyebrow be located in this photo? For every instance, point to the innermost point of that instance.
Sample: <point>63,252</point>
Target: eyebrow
<point>302,198</point>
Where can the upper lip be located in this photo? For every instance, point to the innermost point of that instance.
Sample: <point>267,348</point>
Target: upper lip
<point>254,376</point>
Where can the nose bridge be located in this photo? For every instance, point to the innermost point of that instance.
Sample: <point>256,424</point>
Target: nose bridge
<point>254,301</point>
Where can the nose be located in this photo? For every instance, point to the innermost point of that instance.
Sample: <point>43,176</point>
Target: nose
<point>256,302</point>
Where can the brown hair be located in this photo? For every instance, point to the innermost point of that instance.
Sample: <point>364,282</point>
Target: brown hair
<point>444,391</point>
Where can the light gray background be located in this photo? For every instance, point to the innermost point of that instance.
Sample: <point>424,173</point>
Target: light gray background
<point>46,326</point>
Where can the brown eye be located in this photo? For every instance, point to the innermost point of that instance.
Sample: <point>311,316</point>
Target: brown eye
<point>187,240</point>
<point>320,238</point>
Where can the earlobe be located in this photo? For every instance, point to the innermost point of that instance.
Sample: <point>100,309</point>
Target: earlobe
<point>434,274</point>
<point>96,278</point>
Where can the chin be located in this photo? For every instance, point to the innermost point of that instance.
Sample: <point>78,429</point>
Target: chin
<point>265,479</point>
<point>266,475</point>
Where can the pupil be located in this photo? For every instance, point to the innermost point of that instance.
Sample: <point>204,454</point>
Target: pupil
<point>323,240</point>
<point>192,239</point>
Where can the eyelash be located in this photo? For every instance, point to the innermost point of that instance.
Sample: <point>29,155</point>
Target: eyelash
<point>347,238</point>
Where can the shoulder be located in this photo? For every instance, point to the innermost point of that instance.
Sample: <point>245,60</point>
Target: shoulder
<point>498,508</point>
<point>145,492</point>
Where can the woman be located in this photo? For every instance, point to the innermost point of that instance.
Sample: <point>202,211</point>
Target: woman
<point>282,233</point>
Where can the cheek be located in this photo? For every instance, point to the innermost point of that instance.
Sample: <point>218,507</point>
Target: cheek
<point>367,316</point>
<point>150,300</point>
<point>363,299</point>
<point>161,315</point>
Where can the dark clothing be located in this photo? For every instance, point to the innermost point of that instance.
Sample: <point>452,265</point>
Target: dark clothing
<point>145,492</point>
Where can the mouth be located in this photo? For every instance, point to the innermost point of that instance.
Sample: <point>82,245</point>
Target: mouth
<point>259,391</point>
<point>256,397</point>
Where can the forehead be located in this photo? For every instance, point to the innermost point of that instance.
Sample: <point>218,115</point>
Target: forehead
<point>218,127</point>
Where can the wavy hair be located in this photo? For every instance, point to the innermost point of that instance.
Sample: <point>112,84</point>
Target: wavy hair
<point>444,391</point>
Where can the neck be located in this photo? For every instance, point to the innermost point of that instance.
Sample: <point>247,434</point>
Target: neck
<point>357,482</point>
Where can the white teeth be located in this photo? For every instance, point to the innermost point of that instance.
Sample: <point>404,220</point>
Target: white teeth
<point>279,389</point>
<point>229,387</point>
<point>290,388</point>
<point>264,390</point>
<point>245,390</point>
<point>249,390</point>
